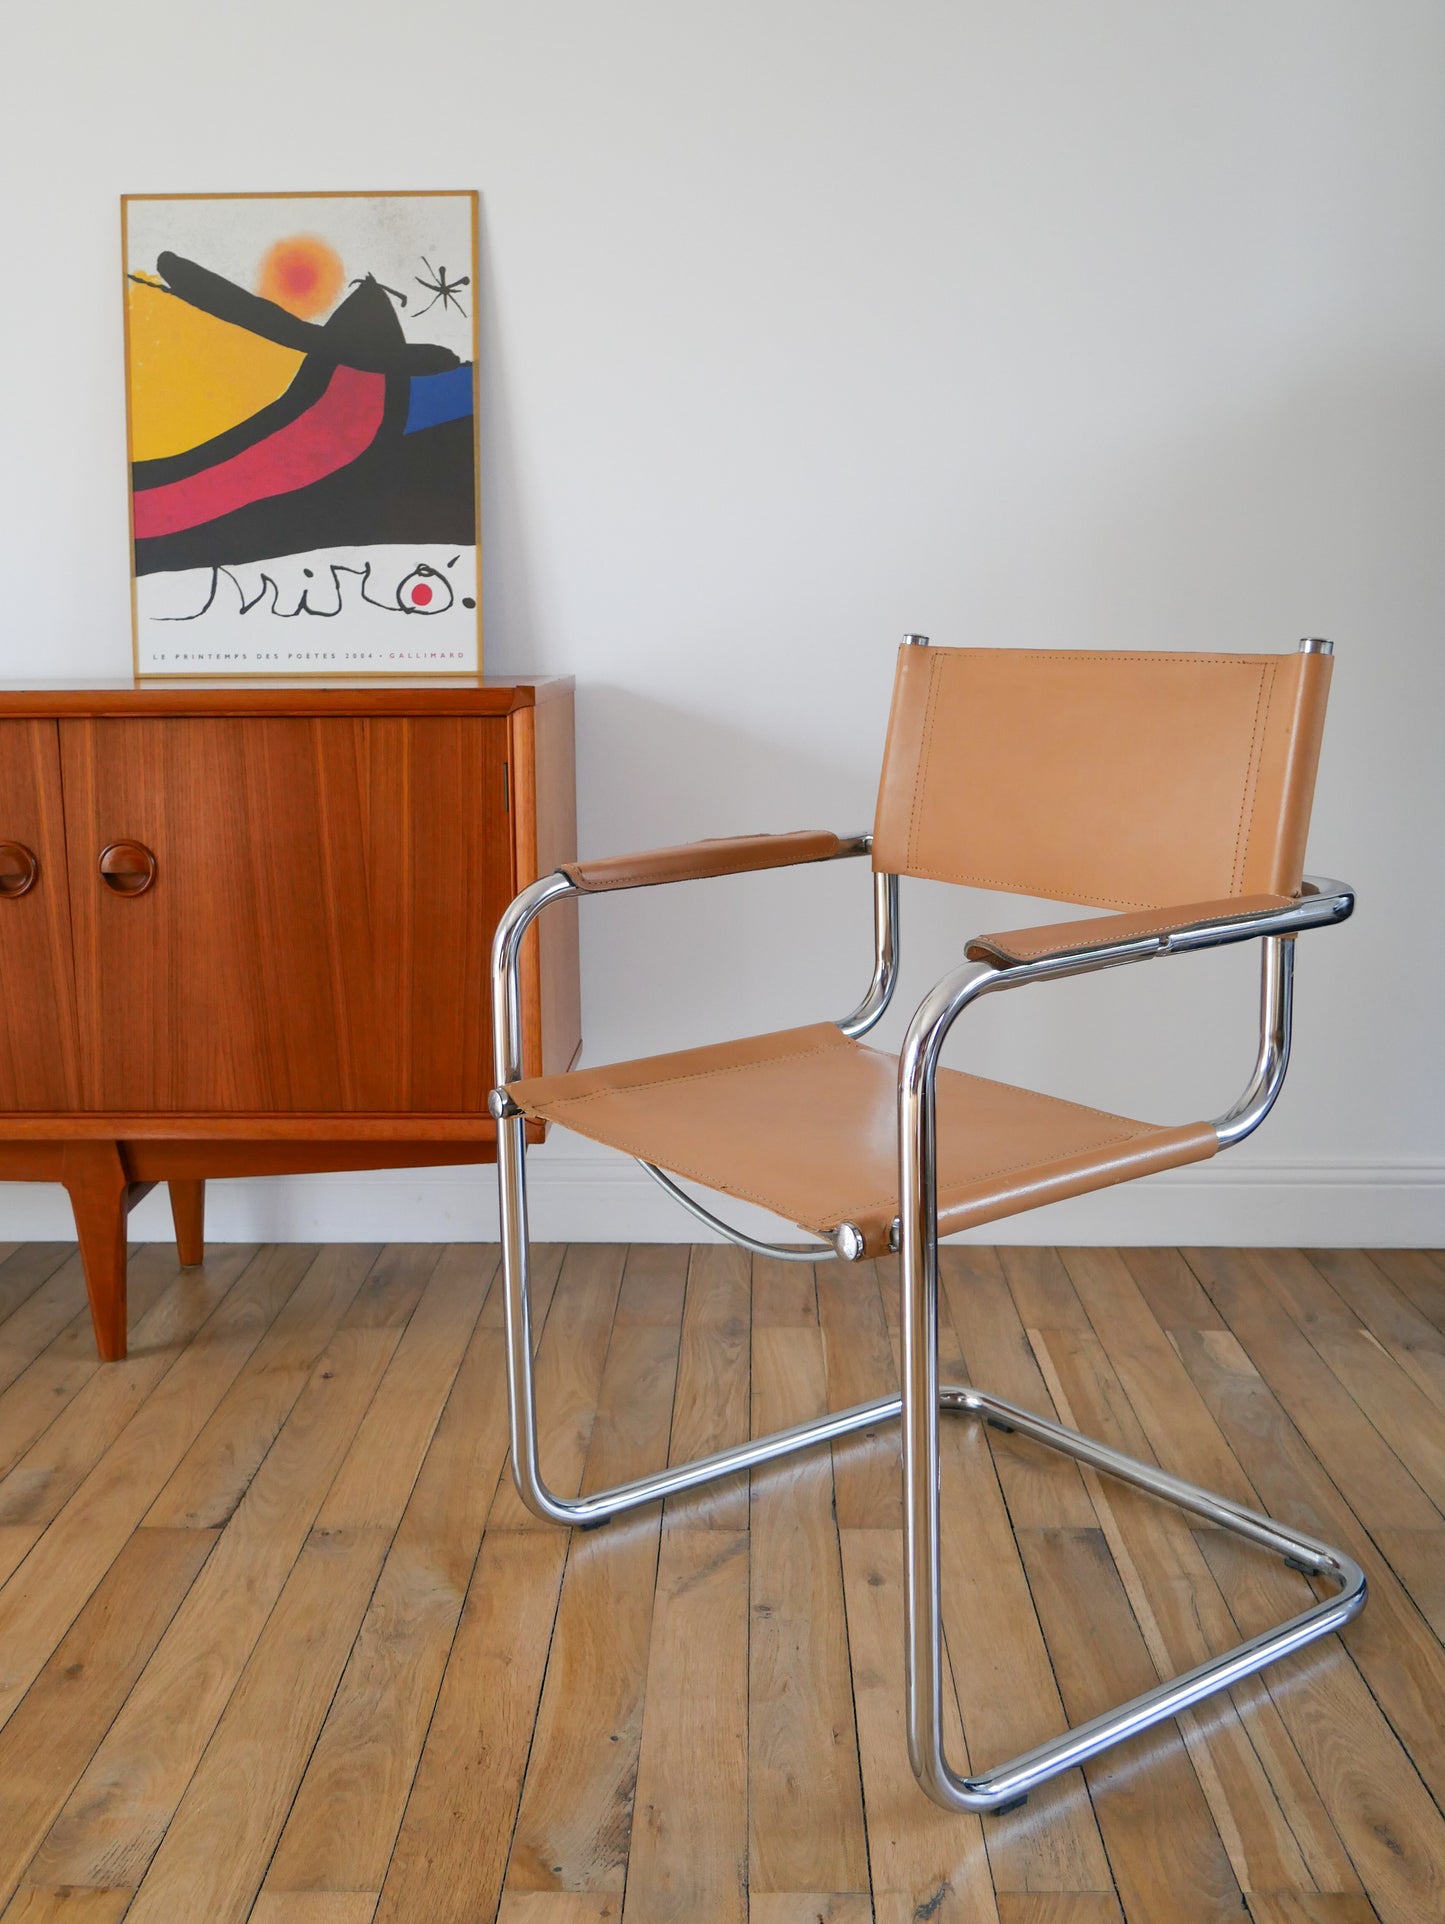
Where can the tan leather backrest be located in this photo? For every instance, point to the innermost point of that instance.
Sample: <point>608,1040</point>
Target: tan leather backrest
<point>1130,781</point>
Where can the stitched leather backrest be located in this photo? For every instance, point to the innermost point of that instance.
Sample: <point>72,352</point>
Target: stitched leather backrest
<point>1129,781</point>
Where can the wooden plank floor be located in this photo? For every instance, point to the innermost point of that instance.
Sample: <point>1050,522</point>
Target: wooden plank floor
<point>278,1642</point>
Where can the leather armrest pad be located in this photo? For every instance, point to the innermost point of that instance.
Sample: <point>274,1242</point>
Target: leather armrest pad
<point>1063,938</point>
<point>727,855</point>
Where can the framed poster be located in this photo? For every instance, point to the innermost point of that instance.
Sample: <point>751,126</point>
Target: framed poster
<point>301,403</point>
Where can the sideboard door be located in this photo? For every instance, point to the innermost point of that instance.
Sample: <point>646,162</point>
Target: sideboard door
<point>38,1061</point>
<point>313,935</point>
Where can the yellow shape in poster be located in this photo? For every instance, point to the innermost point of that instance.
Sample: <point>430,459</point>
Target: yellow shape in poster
<point>192,376</point>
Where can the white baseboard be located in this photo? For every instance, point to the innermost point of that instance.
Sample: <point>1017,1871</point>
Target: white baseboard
<point>600,1197</point>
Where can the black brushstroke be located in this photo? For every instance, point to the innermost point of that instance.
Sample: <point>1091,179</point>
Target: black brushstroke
<point>363,332</point>
<point>258,597</point>
<point>395,292</point>
<point>215,583</point>
<point>440,289</point>
<point>305,390</point>
<point>409,608</point>
<point>397,605</point>
<point>414,488</point>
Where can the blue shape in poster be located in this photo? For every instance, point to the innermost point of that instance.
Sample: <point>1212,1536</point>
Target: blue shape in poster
<point>436,398</point>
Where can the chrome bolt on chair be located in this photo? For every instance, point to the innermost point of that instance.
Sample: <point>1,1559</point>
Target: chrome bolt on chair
<point>1172,790</point>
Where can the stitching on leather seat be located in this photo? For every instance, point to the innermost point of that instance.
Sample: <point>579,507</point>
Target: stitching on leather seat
<point>1107,657</point>
<point>802,1055</point>
<point>1250,786</point>
<point>1251,783</point>
<point>1140,1130</point>
<point>920,778</point>
<point>703,1075</point>
<point>845,1211</point>
<point>1131,1131</point>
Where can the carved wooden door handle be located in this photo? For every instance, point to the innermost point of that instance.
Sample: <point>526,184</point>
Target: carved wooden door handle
<point>127,868</point>
<point>18,868</point>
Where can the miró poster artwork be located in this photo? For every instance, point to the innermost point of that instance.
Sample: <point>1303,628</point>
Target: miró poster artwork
<point>301,401</point>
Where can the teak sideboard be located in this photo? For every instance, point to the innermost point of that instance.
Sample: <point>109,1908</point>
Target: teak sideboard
<point>244,931</point>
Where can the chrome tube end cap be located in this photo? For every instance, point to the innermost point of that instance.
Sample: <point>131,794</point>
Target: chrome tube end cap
<point>915,641</point>
<point>847,1239</point>
<point>500,1106</point>
<point>1315,645</point>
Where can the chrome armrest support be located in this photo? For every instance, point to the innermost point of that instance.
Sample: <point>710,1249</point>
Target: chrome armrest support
<point>525,907</point>
<point>1323,903</point>
<point>507,1021</point>
<point>1276,1010</point>
<point>517,918</point>
<point>946,1001</point>
<point>885,959</point>
<point>861,844</point>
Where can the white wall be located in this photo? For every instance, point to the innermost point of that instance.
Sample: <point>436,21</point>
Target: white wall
<point>806,322</point>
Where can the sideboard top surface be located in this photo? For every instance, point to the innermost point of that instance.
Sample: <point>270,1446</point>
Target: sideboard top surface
<point>332,695</point>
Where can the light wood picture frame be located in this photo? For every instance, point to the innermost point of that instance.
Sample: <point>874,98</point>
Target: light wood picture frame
<point>301,424</point>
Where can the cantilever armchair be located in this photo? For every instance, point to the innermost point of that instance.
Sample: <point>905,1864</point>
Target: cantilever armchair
<point>1172,791</point>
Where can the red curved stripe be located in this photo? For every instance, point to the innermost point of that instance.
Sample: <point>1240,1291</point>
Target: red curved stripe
<point>341,424</point>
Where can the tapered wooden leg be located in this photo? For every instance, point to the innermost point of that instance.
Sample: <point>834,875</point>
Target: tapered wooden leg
<point>188,1212</point>
<point>99,1189</point>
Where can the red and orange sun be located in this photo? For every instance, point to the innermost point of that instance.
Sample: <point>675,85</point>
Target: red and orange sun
<point>301,274</point>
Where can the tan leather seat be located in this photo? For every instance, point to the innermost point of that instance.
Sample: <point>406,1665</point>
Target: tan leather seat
<point>805,1122</point>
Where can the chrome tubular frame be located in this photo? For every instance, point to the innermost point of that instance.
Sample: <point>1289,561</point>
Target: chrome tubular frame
<point>507,1031</point>
<point>1276,1009</point>
<point>922,1397</point>
<point>809,1253</point>
<point>512,1190</point>
<point>885,959</point>
<point>1009,1784</point>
